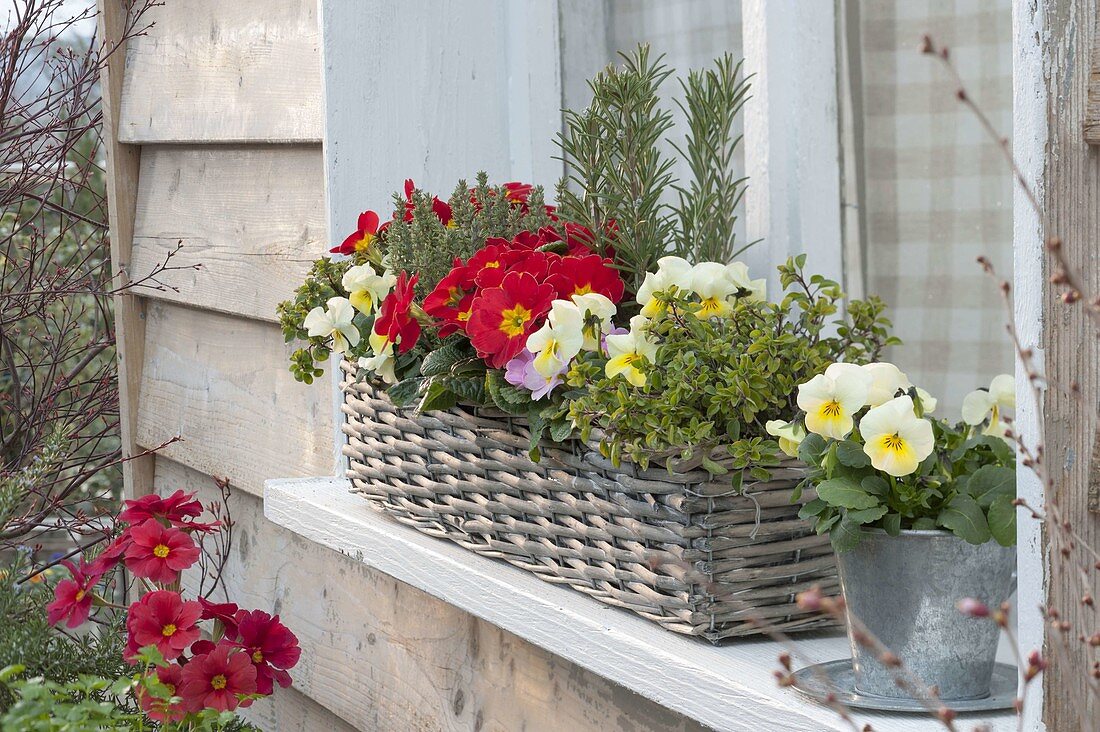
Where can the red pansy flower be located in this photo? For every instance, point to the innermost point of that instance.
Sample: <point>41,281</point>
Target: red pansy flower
<point>502,317</point>
<point>159,553</point>
<point>581,275</point>
<point>214,680</point>
<point>72,597</point>
<point>395,320</point>
<point>272,648</point>
<point>451,299</point>
<point>225,613</point>
<point>162,710</point>
<point>360,240</point>
<point>162,619</point>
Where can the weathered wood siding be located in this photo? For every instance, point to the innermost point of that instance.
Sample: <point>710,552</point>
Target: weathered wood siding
<point>213,124</point>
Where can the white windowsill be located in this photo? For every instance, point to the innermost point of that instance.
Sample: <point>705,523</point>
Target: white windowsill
<point>728,687</point>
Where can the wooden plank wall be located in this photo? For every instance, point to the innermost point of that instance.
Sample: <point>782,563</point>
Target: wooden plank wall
<point>214,125</point>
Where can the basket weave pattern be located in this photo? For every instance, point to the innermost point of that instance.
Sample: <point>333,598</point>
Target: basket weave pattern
<point>676,548</point>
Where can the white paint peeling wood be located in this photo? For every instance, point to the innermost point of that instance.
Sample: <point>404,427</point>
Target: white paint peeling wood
<point>1029,144</point>
<point>727,688</point>
<point>791,142</point>
<point>225,71</point>
<point>252,218</point>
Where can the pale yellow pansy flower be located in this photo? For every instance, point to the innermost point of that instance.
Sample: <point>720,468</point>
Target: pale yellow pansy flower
<point>382,361</point>
<point>671,271</point>
<point>895,438</point>
<point>628,351</point>
<point>831,403</point>
<point>333,320</point>
<point>991,403</point>
<point>789,434</point>
<point>927,401</point>
<point>367,289</point>
<point>597,311</point>
<point>886,379</point>
<point>710,282</point>
<point>558,340</point>
<point>738,274</point>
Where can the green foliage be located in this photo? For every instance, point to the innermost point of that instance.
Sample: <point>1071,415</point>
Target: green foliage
<point>618,176</point>
<point>322,282</point>
<point>966,486</point>
<point>717,381</point>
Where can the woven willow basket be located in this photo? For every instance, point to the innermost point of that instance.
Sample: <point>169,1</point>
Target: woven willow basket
<point>676,548</point>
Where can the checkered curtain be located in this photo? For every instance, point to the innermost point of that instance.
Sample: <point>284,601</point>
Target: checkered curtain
<point>937,193</point>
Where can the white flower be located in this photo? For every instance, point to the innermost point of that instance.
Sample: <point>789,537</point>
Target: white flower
<point>927,401</point>
<point>558,340</point>
<point>710,282</point>
<point>366,289</point>
<point>333,320</point>
<point>895,438</point>
<point>790,435</point>
<point>991,403</point>
<point>671,271</point>
<point>597,311</point>
<point>831,403</point>
<point>382,361</point>
<point>628,351</point>
<point>738,274</point>
<point>886,380</point>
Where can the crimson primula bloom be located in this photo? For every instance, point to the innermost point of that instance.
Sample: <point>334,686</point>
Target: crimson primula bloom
<point>176,510</point>
<point>216,679</point>
<point>490,263</point>
<point>581,275</point>
<point>226,613</point>
<point>441,208</point>
<point>159,553</point>
<point>72,597</point>
<point>364,235</point>
<point>451,299</point>
<point>111,556</point>
<point>271,646</point>
<point>502,317</point>
<point>395,319</point>
<point>162,710</point>
<point>517,192</point>
<point>161,618</point>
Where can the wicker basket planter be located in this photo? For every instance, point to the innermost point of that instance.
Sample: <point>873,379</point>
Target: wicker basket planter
<point>677,548</point>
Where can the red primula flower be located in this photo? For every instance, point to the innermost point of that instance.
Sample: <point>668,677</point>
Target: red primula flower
<point>111,556</point>
<point>441,208</point>
<point>226,613</point>
<point>517,192</point>
<point>177,510</point>
<point>214,680</point>
<point>490,263</point>
<point>72,597</point>
<point>159,553</point>
<point>360,239</point>
<point>162,619</point>
<point>451,299</point>
<point>272,648</point>
<point>395,320</point>
<point>162,710</point>
<point>502,317</point>
<point>581,275</point>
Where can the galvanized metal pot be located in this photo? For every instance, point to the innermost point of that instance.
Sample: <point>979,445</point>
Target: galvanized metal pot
<point>904,590</point>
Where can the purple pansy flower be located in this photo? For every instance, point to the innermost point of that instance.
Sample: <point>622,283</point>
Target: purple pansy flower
<point>520,371</point>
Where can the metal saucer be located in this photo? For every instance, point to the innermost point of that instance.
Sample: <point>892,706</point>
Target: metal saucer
<point>837,677</point>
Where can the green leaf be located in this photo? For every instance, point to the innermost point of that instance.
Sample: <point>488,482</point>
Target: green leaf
<point>1002,521</point>
<point>892,524</point>
<point>876,485</point>
<point>712,467</point>
<point>867,515</point>
<point>810,449</point>
<point>813,508</point>
<point>996,445</point>
<point>437,396</point>
<point>845,536</point>
<point>990,482</point>
<point>851,454</point>
<point>441,360</point>
<point>561,429</point>
<point>844,492</point>
<point>925,523</point>
<point>404,393</point>
<point>538,425</point>
<point>965,518</point>
<point>468,389</point>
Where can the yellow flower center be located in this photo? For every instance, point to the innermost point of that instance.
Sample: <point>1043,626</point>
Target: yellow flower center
<point>452,224</point>
<point>831,409</point>
<point>513,320</point>
<point>464,316</point>
<point>711,306</point>
<point>454,296</point>
<point>160,550</point>
<point>893,442</point>
<point>257,657</point>
<point>492,265</point>
<point>171,689</point>
<point>584,289</point>
<point>80,595</point>
<point>218,682</point>
<point>363,244</point>
<point>168,630</point>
